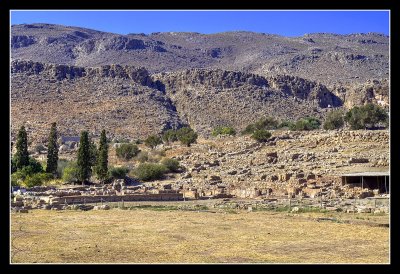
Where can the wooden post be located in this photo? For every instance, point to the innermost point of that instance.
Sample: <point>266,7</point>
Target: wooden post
<point>362,183</point>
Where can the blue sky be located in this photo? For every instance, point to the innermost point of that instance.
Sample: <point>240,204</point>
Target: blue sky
<point>287,23</point>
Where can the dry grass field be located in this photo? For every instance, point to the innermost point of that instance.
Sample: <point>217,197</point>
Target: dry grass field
<point>152,236</point>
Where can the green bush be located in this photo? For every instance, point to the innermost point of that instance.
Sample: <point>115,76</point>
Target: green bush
<point>152,141</point>
<point>308,123</point>
<point>18,177</point>
<point>34,166</point>
<point>169,136</point>
<point>186,136</point>
<point>171,164</point>
<point>261,135</point>
<point>149,171</point>
<point>70,172</point>
<point>334,120</point>
<point>223,130</point>
<point>37,179</point>
<point>367,116</point>
<point>127,151</point>
<point>287,124</point>
<point>264,123</point>
<point>118,172</point>
<point>267,123</point>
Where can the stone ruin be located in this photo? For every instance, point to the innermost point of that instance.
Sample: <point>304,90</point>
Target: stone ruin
<point>326,192</point>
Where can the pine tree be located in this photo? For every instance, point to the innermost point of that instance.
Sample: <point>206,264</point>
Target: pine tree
<point>84,158</point>
<point>52,151</point>
<point>22,155</point>
<point>102,158</point>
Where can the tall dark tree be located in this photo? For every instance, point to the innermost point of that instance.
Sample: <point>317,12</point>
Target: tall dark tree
<point>102,157</point>
<point>22,156</point>
<point>52,151</point>
<point>84,158</point>
<point>93,153</point>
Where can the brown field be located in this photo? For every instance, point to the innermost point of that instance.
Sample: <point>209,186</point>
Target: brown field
<point>151,236</point>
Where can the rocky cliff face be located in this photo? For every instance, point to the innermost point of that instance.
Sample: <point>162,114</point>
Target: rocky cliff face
<point>60,72</point>
<point>372,91</point>
<point>136,103</point>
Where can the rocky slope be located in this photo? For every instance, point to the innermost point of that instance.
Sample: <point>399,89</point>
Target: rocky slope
<point>131,103</point>
<point>327,58</point>
<point>136,84</point>
<point>78,98</point>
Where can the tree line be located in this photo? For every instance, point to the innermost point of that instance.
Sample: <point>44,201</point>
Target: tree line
<point>30,171</point>
<point>91,160</point>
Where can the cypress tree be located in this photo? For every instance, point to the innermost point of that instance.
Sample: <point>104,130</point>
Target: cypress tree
<point>52,151</point>
<point>22,155</point>
<point>93,153</point>
<point>102,158</point>
<point>84,158</point>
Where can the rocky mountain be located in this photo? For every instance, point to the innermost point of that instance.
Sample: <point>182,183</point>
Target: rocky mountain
<point>323,57</point>
<point>135,85</point>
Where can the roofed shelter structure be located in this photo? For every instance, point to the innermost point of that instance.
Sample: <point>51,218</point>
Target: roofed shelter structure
<point>370,180</point>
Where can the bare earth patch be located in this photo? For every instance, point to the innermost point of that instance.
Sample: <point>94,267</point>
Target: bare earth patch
<point>148,236</point>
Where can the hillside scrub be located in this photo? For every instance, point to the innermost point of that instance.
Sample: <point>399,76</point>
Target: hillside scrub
<point>149,171</point>
<point>118,172</point>
<point>171,164</point>
<point>334,120</point>
<point>127,151</point>
<point>367,116</point>
<point>223,130</point>
<point>261,135</point>
<point>307,123</point>
<point>186,136</point>
<point>262,124</point>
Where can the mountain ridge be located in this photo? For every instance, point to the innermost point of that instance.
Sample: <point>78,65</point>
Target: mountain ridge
<point>340,58</point>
